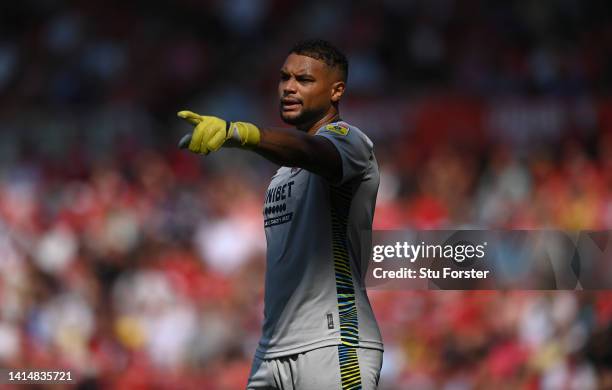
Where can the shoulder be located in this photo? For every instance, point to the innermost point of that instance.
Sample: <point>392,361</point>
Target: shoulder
<point>344,129</point>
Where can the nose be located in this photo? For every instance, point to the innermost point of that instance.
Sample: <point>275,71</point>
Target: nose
<point>289,86</point>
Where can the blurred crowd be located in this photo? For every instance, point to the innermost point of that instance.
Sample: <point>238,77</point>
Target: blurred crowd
<point>138,265</point>
<point>87,53</point>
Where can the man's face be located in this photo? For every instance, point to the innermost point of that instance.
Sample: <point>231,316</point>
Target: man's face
<point>307,89</point>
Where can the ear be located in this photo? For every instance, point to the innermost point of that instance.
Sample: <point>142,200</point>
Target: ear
<point>337,91</point>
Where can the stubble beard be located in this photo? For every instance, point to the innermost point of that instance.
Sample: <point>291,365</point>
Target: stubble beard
<point>304,118</point>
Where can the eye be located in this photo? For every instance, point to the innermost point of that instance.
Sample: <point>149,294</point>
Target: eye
<point>284,76</point>
<point>305,80</point>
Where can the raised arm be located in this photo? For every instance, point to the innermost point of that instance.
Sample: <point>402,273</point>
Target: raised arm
<point>297,149</point>
<point>285,147</point>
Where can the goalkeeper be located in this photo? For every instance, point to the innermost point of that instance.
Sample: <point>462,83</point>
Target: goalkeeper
<point>319,331</point>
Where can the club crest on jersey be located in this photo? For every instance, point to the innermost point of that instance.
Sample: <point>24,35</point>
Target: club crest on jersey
<point>337,128</point>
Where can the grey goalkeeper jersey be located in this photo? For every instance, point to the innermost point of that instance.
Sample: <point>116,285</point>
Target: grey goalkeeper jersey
<point>314,292</point>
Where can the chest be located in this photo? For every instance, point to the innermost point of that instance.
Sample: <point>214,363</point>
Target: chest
<point>284,196</point>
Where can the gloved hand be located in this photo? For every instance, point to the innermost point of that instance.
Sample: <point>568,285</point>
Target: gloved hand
<point>210,133</point>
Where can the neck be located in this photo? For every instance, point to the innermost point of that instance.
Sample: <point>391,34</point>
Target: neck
<point>311,128</point>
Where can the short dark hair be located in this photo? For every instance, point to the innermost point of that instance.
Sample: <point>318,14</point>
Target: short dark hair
<point>322,50</point>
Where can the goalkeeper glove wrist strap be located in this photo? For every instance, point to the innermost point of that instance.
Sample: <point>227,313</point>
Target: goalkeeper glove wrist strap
<point>246,134</point>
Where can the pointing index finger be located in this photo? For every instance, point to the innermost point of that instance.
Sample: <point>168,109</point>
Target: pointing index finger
<point>190,117</point>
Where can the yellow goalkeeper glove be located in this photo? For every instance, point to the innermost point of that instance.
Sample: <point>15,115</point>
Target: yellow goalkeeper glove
<point>210,133</point>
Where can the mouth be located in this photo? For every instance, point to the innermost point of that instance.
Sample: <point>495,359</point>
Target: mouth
<point>289,104</point>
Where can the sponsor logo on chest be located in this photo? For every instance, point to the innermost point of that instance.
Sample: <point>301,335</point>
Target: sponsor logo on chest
<point>280,198</point>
